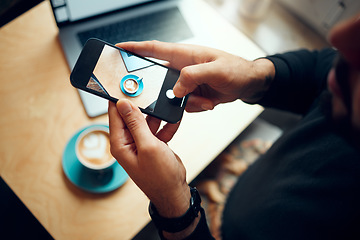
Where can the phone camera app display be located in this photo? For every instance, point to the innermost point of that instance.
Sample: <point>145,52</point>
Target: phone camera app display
<point>120,74</point>
<point>114,73</point>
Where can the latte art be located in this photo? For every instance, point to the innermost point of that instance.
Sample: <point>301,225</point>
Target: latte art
<point>93,149</point>
<point>131,85</point>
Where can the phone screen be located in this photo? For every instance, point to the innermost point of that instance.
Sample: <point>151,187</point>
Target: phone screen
<point>118,74</point>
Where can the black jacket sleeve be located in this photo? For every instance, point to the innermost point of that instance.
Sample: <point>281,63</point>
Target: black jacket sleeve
<point>300,76</point>
<point>201,231</point>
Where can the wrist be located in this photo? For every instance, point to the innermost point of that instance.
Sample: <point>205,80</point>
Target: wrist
<point>184,233</point>
<point>182,223</point>
<point>260,79</point>
<point>173,204</point>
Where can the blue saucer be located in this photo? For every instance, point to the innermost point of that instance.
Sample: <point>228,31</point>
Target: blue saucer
<point>95,182</point>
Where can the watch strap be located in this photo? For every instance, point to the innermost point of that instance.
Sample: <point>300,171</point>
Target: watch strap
<point>179,223</point>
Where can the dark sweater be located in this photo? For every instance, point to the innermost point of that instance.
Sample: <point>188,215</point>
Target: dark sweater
<point>307,186</point>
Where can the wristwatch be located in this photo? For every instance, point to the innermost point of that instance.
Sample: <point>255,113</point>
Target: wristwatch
<point>179,223</point>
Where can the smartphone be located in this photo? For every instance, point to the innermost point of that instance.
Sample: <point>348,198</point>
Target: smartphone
<point>114,73</point>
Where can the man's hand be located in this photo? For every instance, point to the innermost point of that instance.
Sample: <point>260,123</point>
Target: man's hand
<point>211,76</point>
<point>142,151</point>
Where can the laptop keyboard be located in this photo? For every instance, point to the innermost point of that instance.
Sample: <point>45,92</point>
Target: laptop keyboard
<point>166,25</point>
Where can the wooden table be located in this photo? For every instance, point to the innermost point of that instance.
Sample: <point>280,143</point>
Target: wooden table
<point>40,111</point>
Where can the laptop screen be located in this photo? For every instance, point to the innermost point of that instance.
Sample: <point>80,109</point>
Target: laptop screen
<point>74,10</point>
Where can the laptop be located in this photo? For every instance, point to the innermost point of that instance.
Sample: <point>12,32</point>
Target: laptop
<point>124,20</point>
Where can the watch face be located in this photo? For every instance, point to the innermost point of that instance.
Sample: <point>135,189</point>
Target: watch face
<point>195,200</point>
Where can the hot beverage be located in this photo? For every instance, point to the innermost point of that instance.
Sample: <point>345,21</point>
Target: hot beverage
<point>93,148</point>
<point>131,85</point>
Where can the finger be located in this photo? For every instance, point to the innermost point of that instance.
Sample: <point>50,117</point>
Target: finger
<point>121,142</point>
<point>179,55</point>
<point>156,49</point>
<point>135,122</point>
<point>198,104</point>
<point>167,132</point>
<point>193,76</point>
<point>116,126</point>
<point>153,123</point>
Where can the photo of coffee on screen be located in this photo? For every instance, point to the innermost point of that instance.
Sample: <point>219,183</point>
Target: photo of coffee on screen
<point>93,149</point>
<point>120,74</point>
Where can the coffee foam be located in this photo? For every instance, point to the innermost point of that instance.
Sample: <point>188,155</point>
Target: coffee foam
<point>93,149</point>
<point>131,85</point>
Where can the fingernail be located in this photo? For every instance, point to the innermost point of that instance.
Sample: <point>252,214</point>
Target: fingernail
<point>179,90</point>
<point>124,107</point>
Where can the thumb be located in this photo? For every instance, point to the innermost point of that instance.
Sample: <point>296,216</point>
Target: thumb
<point>134,121</point>
<point>193,76</point>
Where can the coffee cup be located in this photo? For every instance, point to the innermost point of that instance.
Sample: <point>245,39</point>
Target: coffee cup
<point>131,85</point>
<point>93,148</point>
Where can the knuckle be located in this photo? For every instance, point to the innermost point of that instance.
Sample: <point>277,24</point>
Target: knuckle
<point>154,41</point>
<point>187,74</point>
<point>149,148</point>
<point>114,150</point>
<point>224,75</point>
<point>152,45</point>
<point>132,123</point>
<point>132,119</point>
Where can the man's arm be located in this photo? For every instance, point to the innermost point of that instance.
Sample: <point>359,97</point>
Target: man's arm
<point>141,149</point>
<point>300,76</point>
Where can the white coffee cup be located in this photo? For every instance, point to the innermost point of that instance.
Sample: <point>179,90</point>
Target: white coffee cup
<point>93,148</point>
<point>131,86</point>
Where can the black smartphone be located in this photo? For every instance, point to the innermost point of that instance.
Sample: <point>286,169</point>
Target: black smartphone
<point>114,73</point>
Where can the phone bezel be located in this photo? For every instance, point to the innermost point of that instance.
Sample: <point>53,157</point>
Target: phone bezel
<point>86,63</point>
